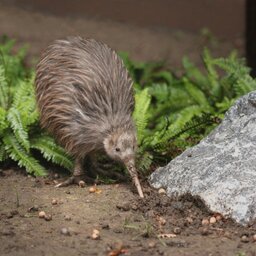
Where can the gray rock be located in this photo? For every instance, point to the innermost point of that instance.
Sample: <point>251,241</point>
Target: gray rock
<point>221,169</point>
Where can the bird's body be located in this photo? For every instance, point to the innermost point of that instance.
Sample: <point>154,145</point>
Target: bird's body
<point>85,99</point>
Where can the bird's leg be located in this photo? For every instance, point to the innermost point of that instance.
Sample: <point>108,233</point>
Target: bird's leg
<point>78,175</point>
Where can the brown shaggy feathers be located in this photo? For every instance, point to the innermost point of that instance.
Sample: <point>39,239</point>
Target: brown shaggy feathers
<point>84,94</point>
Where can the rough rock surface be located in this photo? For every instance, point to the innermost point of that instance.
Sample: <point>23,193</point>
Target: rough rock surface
<point>221,169</point>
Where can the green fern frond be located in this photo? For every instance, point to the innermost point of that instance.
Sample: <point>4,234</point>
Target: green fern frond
<point>18,154</point>
<point>18,128</point>
<point>3,89</point>
<point>3,120</point>
<point>140,114</point>
<point>144,161</point>
<point>213,76</point>
<point>196,94</point>
<point>24,101</point>
<point>51,151</point>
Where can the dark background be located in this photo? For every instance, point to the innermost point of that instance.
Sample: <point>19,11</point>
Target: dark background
<point>147,29</point>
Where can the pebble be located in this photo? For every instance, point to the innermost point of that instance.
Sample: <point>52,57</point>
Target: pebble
<point>81,184</point>
<point>124,207</point>
<point>213,220</point>
<point>151,244</point>
<point>67,217</point>
<point>162,221</point>
<point>245,239</point>
<point>205,222</point>
<point>95,234</point>
<point>92,189</point>
<point>254,238</point>
<point>54,201</point>
<point>65,232</point>
<point>48,217</point>
<point>41,214</point>
<point>177,230</point>
<point>161,191</point>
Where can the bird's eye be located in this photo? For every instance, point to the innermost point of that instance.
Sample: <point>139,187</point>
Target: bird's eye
<point>117,149</point>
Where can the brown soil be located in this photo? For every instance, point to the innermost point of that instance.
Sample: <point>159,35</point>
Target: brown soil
<point>126,223</point>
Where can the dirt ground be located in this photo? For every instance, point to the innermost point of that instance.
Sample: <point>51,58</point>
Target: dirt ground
<point>126,224</point>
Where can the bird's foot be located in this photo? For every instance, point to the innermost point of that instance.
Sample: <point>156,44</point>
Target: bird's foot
<point>76,179</point>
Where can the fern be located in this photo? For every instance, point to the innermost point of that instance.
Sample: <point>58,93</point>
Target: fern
<point>18,128</point>
<point>18,154</point>
<point>19,119</point>
<point>51,151</point>
<point>140,115</point>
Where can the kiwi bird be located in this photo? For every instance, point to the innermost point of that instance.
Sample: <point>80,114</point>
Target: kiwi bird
<point>85,99</point>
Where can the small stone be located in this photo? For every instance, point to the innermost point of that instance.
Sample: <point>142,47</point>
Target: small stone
<point>177,230</point>
<point>162,221</point>
<point>245,239</point>
<point>213,220</point>
<point>95,234</point>
<point>254,238</point>
<point>54,201</point>
<point>65,232</point>
<point>151,244</point>
<point>67,217</point>
<point>124,207</point>
<point>205,222</point>
<point>162,191</point>
<point>41,214</point>
<point>92,189</point>
<point>81,184</point>
<point>48,217</point>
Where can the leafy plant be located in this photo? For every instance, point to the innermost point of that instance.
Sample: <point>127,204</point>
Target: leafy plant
<point>20,134</point>
<point>171,112</point>
<point>178,112</point>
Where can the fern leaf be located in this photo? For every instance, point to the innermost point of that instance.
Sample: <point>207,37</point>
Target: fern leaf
<point>17,126</point>
<point>18,154</point>
<point>140,114</point>
<point>51,151</point>
<point>3,89</point>
<point>3,121</point>
<point>24,101</point>
<point>196,94</point>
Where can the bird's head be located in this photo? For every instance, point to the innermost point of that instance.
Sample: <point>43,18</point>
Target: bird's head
<point>121,146</point>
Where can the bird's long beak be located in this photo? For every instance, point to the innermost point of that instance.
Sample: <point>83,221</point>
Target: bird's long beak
<point>133,172</point>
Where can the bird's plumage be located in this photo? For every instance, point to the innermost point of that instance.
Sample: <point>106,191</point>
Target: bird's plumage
<point>84,93</point>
